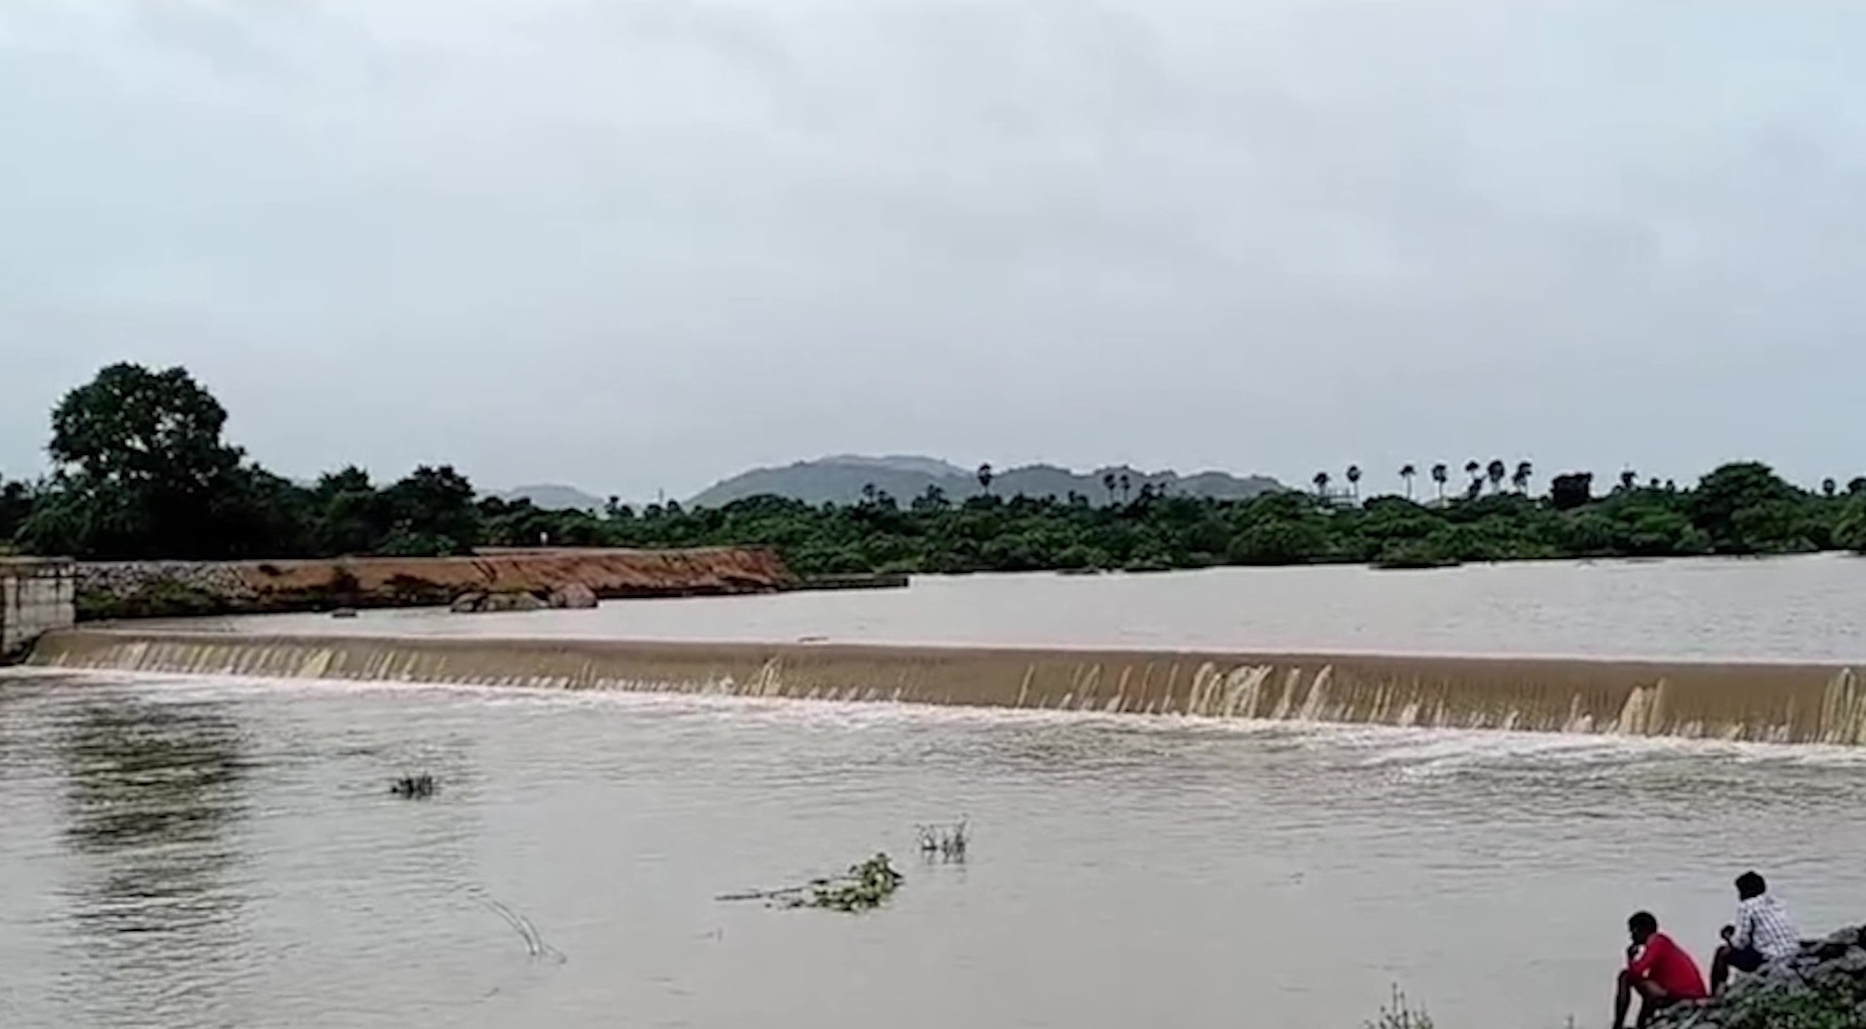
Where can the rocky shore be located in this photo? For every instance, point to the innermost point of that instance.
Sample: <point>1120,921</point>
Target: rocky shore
<point>1822,987</point>
<point>509,580</point>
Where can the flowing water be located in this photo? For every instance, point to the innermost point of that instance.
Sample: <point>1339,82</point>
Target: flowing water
<point>198,851</point>
<point>227,853</point>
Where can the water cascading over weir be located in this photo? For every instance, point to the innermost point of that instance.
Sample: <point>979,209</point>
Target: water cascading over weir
<point>1778,703</point>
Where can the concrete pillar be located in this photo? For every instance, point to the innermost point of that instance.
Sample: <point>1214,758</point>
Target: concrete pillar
<point>37,595</point>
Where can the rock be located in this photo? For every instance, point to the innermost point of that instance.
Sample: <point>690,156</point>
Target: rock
<point>575,596</point>
<point>513,601</point>
<point>111,585</point>
<point>476,602</point>
<point>467,603</point>
<point>1825,980</point>
<point>1831,948</point>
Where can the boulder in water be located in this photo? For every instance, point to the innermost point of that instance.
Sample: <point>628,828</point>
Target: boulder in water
<point>467,603</point>
<point>476,601</point>
<point>575,596</point>
<point>517,600</point>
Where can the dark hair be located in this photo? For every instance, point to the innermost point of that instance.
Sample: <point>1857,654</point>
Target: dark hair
<point>1749,884</point>
<point>1643,922</point>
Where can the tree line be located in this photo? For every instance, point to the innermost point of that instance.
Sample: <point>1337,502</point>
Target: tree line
<point>142,470</point>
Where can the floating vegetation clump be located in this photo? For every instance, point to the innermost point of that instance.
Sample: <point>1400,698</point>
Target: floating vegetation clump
<point>863,887</point>
<point>946,842</point>
<point>413,787</point>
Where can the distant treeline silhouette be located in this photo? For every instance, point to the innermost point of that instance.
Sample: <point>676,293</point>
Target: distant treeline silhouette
<point>143,471</point>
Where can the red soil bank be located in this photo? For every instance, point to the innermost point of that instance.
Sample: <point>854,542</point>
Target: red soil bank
<point>610,573</point>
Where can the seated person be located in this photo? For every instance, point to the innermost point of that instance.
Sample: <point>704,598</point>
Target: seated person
<point>1763,932</point>
<point>1658,970</point>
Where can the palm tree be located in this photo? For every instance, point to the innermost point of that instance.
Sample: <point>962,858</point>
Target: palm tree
<point>1495,471</point>
<point>1441,474</point>
<point>1127,484</point>
<point>1829,487</point>
<point>1476,472</point>
<point>1407,471</point>
<point>1321,484</point>
<point>1629,480</point>
<point>1107,483</point>
<point>1354,480</point>
<point>1524,472</point>
<point>868,492</point>
<point>985,475</point>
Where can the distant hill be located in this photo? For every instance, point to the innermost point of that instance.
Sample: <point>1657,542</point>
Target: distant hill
<point>555,498</point>
<point>841,479</point>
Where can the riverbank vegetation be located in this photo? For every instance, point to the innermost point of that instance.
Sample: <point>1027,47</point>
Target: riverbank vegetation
<point>142,471</point>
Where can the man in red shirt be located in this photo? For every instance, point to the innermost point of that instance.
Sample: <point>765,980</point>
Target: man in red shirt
<point>1658,970</point>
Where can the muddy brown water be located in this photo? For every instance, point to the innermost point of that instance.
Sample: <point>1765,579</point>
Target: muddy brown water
<point>201,851</point>
<point>1790,609</point>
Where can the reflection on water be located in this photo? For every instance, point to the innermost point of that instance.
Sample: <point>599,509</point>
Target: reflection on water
<point>201,853</point>
<point>153,803</point>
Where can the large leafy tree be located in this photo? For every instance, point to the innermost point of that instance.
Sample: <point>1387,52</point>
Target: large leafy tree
<point>142,471</point>
<point>433,513</point>
<point>132,427</point>
<point>1746,508</point>
<point>351,517</point>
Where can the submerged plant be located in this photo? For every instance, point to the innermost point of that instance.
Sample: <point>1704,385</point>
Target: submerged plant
<point>944,841</point>
<point>1399,1015</point>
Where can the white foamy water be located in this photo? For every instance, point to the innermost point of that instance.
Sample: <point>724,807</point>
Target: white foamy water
<point>194,852</point>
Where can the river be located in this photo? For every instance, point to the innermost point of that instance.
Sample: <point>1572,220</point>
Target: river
<point>195,852</point>
<point>1804,608</point>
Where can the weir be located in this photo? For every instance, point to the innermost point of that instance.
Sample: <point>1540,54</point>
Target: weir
<point>1778,703</point>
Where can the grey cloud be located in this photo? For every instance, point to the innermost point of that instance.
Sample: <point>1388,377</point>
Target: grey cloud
<point>633,245</point>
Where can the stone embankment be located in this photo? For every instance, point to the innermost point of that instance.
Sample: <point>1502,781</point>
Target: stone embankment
<point>496,581</point>
<point>1823,987</point>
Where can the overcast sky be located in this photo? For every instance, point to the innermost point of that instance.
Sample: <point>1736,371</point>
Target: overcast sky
<point>642,244</point>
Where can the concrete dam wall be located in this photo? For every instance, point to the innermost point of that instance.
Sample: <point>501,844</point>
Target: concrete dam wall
<point>36,596</point>
<point>1780,703</point>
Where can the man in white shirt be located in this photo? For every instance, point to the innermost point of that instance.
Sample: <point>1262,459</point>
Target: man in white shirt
<point>1763,932</point>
